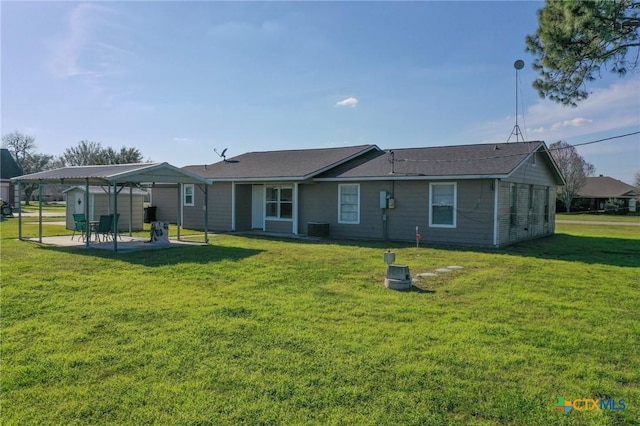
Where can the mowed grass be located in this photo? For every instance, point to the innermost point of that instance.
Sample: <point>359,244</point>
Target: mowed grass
<point>591,217</point>
<point>264,331</point>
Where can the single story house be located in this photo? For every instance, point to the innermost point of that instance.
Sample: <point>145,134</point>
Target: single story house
<point>488,195</point>
<point>602,193</point>
<point>100,201</point>
<point>8,169</point>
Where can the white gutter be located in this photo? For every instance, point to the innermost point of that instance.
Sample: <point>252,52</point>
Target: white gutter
<point>406,177</point>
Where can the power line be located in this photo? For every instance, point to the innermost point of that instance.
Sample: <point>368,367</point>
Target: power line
<point>606,139</point>
<point>515,155</point>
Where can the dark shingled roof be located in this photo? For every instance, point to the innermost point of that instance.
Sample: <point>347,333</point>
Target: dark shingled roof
<point>491,160</point>
<point>606,187</point>
<point>8,166</point>
<point>280,165</point>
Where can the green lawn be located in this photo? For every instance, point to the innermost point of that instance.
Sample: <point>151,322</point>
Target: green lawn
<point>598,217</point>
<point>262,331</point>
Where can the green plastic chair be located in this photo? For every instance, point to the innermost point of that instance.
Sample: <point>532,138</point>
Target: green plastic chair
<point>104,227</point>
<point>79,224</point>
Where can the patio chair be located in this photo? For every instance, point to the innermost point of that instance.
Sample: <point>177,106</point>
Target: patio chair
<point>104,227</point>
<point>79,224</point>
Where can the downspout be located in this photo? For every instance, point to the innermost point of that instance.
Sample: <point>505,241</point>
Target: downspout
<point>179,209</point>
<point>130,208</point>
<point>40,210</point>
<point>233,206</point>
<point>20,210</point>
<point>295,208</point>
<point>495,212</point>
<point>114,226</point>
<point>206,213</point>
<point>87,227</point>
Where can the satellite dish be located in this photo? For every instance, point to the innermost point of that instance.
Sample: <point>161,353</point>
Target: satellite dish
<point>519,64</point>
<point>221,154</point>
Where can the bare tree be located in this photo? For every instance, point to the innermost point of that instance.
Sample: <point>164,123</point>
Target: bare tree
<point>20,146</point>
<point>573,167</point>
<point>636,180</point>
<point>23,149</point>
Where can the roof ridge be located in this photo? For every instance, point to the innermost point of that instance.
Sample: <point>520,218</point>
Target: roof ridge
<point>464,145</point>
<point>111,165</point>
<point>310,149</point>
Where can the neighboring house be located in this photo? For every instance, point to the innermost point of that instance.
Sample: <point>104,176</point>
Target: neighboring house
<point>8,169</point>
<point>130,201</point>
<point>483,195</point>
<point>604,193</point>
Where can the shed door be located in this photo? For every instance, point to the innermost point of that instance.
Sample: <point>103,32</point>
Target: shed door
<point>79,202</point>
<point>257,207</point>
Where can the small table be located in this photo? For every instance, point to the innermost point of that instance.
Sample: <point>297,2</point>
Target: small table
<point>93,227</point>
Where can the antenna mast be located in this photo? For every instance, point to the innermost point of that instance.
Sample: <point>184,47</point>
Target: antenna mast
<point>518,65</point>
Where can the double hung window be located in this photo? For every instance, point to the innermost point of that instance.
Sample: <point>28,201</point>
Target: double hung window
<point>442,204</point>
<point>188,198</point>
<point>279,204</point>
<point>349,203</point>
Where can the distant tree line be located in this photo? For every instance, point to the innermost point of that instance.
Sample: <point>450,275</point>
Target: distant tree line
<point>23,148</point>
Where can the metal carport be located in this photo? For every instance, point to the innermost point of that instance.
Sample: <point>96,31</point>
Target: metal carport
<point>116,176</point>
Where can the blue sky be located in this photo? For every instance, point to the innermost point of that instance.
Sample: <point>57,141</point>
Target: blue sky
<point>178,79</point>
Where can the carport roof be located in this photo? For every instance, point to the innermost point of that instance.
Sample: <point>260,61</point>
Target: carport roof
<point>115,173</point>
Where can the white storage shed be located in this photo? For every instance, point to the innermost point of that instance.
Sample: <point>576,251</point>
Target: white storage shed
<point>130,205</point>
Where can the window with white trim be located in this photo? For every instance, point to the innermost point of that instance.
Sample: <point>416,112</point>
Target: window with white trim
<point>349,203</point>
<point>188,194</point>
<point>442,204</point>
<point>279,202</point>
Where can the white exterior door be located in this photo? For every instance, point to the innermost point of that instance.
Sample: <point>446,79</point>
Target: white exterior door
<point>79,202</point>
<point>257,207</point>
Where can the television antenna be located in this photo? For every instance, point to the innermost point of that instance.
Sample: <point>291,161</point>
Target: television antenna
<point>518,65</point>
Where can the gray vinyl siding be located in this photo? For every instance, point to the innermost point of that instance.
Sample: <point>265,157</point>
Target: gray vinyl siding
<point>474,216</point>
<point>193,216</point>
<point>535,174</point>
<point>220,206</point>
<point>319,203</point>
<point>279,226</point>
<point>165,198</point>
<point>530,219</point>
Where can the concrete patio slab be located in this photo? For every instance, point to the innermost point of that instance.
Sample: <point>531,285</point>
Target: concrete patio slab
<point>126,244</point>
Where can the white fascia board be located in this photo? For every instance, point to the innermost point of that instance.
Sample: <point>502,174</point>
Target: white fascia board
<point>260,180</point>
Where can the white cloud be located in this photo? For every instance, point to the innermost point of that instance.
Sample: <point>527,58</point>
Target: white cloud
<point>80,50</point>
<point>181,140</point>
<point>607,109</point>
<point>348,102</point>
<point>575,122</point>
